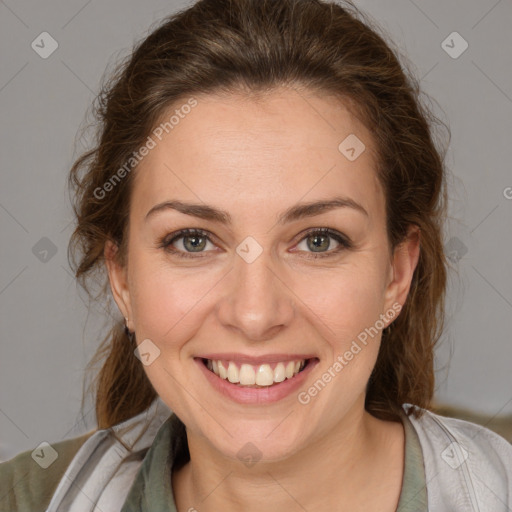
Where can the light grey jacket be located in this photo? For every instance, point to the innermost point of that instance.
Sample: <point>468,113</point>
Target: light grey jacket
<point>468,468</point>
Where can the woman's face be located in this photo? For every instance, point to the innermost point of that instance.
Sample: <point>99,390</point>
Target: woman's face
<point>258,286</point>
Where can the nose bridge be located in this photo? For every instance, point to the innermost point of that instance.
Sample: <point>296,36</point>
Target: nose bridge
<point>257,303</point>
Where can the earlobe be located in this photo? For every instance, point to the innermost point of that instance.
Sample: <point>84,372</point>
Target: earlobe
<point>405,260</point>
<point>118,279</point>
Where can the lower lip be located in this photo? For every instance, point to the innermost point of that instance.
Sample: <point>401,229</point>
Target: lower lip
<point>268,395</point>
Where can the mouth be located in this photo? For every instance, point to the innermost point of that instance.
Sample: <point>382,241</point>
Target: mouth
<point>256,376</point>
<point>256,384</point>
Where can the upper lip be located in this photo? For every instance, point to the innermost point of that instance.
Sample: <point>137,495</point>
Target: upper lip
<point>256,360</point>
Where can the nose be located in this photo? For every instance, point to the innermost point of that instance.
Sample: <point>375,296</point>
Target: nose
<point>257,302</point>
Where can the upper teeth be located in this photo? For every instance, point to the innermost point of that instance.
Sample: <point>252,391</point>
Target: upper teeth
<point>262,375</point>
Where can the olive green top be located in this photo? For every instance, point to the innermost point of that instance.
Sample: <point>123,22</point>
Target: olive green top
<point>413,497</point>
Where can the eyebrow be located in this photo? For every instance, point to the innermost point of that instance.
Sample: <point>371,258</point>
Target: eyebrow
<point>296,212</point>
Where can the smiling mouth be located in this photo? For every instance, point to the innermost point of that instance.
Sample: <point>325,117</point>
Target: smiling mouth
<point>256,376</point>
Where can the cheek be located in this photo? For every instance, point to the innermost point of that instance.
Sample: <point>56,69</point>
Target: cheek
<point>165,302</point>
<point>345,308</point>
<point>347,299</point>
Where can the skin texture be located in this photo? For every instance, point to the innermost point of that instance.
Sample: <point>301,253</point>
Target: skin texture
<point>255,158</point>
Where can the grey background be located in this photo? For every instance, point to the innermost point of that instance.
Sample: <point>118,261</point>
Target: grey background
<point>46,334</point>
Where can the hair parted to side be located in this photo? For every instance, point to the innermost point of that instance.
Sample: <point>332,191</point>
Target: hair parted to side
<point>255,46</point>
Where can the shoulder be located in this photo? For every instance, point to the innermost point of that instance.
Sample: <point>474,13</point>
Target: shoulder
<point>26,486</point>
<point>28,480</point>
<point>482,441</point>
<point>464,462</point>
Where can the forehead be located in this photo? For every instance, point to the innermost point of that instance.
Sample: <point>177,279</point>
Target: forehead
<point>275,149</point>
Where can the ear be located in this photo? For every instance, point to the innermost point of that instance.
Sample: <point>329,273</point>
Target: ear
<point>404,261</point>
<point>117,276</point>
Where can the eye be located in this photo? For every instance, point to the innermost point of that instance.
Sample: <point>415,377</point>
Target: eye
<point>318,241</point>
<point>192,241</point>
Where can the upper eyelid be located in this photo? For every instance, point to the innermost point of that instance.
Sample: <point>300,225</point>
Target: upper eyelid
<point>182,233</point>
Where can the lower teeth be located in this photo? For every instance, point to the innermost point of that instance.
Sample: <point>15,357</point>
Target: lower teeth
<point>254,385</point>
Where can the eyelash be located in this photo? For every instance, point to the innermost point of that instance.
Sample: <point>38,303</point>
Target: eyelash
<point>166,242</point>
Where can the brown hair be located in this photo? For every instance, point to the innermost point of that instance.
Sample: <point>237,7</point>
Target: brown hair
<point>255,46</point>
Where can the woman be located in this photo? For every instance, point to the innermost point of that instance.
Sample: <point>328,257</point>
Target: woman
<point>267,202</point>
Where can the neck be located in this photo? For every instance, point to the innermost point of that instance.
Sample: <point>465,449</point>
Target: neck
<point>337,470</point>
